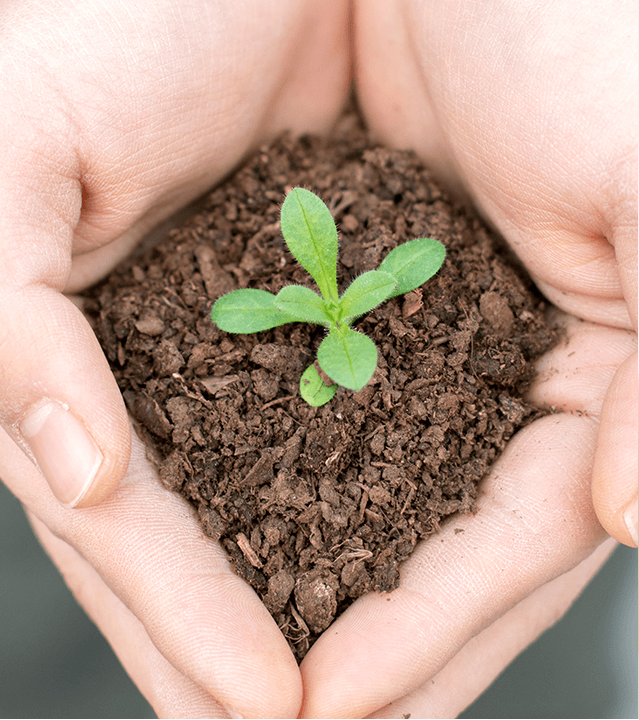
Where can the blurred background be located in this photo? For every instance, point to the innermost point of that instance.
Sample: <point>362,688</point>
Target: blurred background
<point>54,663</point>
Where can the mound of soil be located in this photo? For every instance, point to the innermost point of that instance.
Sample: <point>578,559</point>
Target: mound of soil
<point>316,506</point>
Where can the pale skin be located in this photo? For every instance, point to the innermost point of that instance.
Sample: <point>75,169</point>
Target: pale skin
<point>115,114</point>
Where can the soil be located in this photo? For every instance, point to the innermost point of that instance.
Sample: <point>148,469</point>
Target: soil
<point>316,506</point>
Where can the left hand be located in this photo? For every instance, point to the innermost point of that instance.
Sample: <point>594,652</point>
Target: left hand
<point>113,115</point>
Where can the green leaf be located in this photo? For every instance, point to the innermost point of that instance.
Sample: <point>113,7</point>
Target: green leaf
<point>314,390</point>
<point>413,262</point>
<point>348,357</point>
<point>303,304</point>
<point>248,311</point>
<point>310,233</point>
<point>366,292</point>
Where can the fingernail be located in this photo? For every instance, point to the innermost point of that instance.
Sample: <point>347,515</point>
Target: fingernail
<point>630,518</point>
<point>63,450</point>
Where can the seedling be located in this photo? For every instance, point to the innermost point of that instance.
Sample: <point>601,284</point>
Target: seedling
<point>346,356</point>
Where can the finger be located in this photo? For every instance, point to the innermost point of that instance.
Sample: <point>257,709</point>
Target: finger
<point>534,522</point>
<point>147,546</point>
<point>614,484</point>
<point>60,402</point>
<point>169,692</point>
<point>594,371</point>
<point>481,660</point>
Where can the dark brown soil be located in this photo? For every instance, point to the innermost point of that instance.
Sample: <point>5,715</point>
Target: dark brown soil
<point>316,506</point>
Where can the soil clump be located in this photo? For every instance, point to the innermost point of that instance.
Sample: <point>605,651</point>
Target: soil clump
<point>316,506</point>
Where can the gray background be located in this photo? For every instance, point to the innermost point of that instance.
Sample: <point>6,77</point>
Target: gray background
<point>55,664</point>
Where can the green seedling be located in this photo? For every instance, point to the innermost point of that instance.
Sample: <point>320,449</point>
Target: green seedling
<point>346,356</point>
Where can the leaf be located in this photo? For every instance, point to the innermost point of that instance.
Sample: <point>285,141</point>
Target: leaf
<point>366,292</point>
<point>310,233</point>
<point>303,304</point>
<point>414,262</point>
<point>248,311</point>
<point>314,390</point>
<point>348,357</point>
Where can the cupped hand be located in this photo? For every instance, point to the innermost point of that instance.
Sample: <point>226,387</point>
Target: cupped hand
<point>113,115</point>
<point>529,109</point>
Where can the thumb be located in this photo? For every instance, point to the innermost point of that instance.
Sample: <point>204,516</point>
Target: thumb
<point>615,469</point>
<point>59,400</point>
<point>614,480</point>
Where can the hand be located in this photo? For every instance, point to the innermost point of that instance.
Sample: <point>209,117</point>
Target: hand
<point>532,113</point>
<point>529,108</point>
<point>113,115</point>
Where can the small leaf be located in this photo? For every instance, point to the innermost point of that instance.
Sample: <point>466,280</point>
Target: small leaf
<point>248,311</point>
<point>303,304</point>
<point>314,390</point>
<point>348,357</point>
<point>414,262</point>
<point>366,292</point>
<point>310,233</point>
